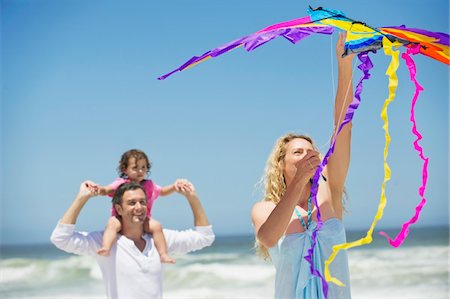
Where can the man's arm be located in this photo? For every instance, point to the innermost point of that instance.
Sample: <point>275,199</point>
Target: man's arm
<point>64,235</point>
<point>86,191</point>
<point>200,218</point>
<point>181,242</point>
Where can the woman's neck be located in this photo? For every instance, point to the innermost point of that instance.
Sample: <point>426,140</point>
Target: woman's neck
<point>303,200</point>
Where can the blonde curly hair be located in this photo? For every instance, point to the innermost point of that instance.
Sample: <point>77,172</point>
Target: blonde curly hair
<point>273,178</point>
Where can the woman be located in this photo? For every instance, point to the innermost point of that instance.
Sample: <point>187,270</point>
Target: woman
<point>285,219</point>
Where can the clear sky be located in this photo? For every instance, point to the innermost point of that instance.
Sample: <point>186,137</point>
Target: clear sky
<point>79,88</point>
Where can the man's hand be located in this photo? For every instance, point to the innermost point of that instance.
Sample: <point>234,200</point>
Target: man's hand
<point>87,190</point>
<point>184,187</point>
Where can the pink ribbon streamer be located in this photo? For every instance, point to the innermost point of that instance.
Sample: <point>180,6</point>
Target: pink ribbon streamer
<point>401,236</point>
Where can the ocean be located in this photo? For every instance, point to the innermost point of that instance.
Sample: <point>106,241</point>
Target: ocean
<point>418,269</point>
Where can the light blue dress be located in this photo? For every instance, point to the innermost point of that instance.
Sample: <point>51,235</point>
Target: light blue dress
<point>293,275</point>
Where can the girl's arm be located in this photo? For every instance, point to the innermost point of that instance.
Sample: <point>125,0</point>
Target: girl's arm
<point>167,190</point>
<point>339,161</point>
<point>105,190</point>
<point>111,188</point>
<point>180,186</point>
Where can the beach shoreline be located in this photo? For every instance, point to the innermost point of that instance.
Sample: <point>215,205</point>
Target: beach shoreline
<point>230,269</point>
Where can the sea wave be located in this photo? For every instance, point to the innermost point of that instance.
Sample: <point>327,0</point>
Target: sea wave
<point>72,277</point>
<point>412,272</point>
<point>21,269</point>
<point>408,272</point>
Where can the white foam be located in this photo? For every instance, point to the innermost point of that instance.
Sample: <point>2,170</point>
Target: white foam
<point>410,272</point>
<point>10,274</point>
<point>259,292</point>
<point>26,270</point>
<point>248,272</point>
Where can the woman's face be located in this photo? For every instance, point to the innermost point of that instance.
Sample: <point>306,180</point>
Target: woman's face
<point>295,150</point>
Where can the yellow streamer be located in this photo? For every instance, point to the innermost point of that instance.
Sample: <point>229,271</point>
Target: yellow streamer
<point>393,83</point>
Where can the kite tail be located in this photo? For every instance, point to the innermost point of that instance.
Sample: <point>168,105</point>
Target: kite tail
<point>365,66</point>
<point>399,239</point>
<point>309,258</point>
<point>393,82</point>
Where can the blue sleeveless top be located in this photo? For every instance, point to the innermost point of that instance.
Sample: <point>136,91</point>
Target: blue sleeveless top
<point>293,277</point>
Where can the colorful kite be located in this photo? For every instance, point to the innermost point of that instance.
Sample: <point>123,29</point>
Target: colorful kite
<point>360,39</point>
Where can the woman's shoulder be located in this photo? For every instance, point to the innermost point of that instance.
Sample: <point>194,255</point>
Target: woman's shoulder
<point>264,203</point>
<point>262,207</point>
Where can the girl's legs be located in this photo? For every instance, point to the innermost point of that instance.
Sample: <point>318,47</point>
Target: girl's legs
<point>109,235</point>
<point>154,227</point>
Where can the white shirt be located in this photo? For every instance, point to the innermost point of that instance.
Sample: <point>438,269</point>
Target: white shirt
<point>128,272</point>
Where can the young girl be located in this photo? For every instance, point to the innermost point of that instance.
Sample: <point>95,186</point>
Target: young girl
<point>134,167</point>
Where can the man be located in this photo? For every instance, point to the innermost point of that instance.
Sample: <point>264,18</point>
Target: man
<point>133,269</point>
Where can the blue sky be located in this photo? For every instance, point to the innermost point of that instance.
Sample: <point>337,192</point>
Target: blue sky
<point>79,88</point>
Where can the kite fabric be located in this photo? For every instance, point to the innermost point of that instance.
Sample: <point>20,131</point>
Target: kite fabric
<point>432,44</point>
<point>293,31</point>
<point>360,39</point>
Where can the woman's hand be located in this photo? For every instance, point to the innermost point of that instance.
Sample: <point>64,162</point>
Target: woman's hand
<point>340,50</point>
<point>307,166</point>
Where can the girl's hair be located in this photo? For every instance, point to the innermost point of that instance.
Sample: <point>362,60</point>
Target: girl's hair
<point>273,178</point>
<point>133,153</point>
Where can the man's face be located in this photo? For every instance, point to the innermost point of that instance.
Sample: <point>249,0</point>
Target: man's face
<point>134,206</point>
